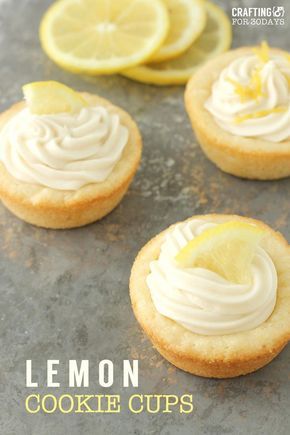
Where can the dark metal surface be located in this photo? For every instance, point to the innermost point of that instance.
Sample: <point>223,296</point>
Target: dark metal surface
<point>64,295</point>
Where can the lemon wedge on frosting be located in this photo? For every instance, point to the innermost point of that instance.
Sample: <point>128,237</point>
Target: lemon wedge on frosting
<point>187,20</point>
<point>103,36</point>
<point>44,98</point>
<point>226,249</point>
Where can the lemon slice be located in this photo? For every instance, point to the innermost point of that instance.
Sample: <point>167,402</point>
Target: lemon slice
<point>215,39</point>
<point>227,249</point>
<point>187,20</point>
<point>103,36</point>
<point>44,98</point>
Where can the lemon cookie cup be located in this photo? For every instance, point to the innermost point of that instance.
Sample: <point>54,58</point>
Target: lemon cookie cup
<point>217,355</point>
<point>242,156</point>
<point>57,208</point>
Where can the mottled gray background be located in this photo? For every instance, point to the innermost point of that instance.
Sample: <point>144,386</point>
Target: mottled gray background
<point>64,295</point>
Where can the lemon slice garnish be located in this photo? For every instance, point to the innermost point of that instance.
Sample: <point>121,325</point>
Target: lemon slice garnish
<point>215,39</point>
<point>226,249</point>
<point>44,98</point>
<point>103,36</point>
<point>187,20</point>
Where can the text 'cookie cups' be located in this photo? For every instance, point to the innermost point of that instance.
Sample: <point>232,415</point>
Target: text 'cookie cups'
<point>87,198</point>
<point>239,107</point>
<point>259,313</point>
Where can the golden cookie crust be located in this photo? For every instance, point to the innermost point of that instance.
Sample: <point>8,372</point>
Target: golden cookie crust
<point>223,356</point>
<point>50,208</point>
<point>244,157</point>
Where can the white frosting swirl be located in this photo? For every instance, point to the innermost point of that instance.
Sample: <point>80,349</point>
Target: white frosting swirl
<point>63,151</point>
<point>268,115</point>
<point>204,302</point>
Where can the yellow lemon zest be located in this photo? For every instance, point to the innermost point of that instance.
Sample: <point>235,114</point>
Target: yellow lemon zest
<point>263,52</point>
<point>251,91</point>
<point>256,83</point>
<point>259,114</point>
<point>288,79</point>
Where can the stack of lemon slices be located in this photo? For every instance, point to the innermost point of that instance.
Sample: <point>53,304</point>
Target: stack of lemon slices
<point>152,41</point>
